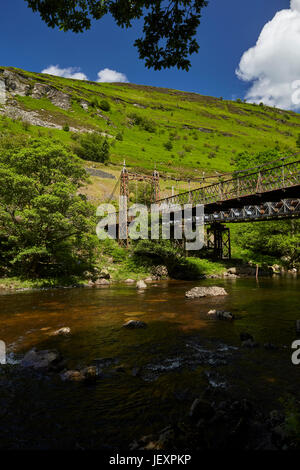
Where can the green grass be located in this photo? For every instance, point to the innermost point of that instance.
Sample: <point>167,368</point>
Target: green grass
<point>206,267</point>
<point>15,283</point>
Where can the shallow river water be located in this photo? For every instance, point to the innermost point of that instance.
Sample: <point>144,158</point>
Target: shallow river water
<point>150,376</point>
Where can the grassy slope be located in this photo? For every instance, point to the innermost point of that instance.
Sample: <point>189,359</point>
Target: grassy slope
<point>208,131</point>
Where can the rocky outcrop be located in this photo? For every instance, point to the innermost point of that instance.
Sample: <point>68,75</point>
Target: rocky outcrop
<point>57,97</point>
<point>211,291</point>
<point>32,117</point>
<point>15,83</point>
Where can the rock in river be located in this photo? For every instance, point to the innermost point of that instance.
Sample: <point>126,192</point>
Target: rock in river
<point>134,324</point>
<point>40,359</point>
<point>220,315</point>
<point>62,332</point>
<point>141,285</point>
<point>210,291</point>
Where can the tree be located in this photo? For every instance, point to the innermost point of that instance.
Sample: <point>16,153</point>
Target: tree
<point>93,147</point>
<point>268,240</point>
<point>169,27</point>
<point>46,227</point>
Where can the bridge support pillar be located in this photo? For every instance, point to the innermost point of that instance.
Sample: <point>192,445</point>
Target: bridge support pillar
<point>218,240</point>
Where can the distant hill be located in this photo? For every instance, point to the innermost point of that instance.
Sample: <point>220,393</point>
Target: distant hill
<point>182,133</point>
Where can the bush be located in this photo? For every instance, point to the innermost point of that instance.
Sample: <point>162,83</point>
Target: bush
<point>66,128</point>
<point>93,147</point>
<point>119,136</point>
<point>104,105</point>
<point>168,145</point>
<point>144,123</point>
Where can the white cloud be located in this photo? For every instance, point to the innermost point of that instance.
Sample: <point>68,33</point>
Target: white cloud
<point>111,76</point>
<point>273,64</point>
<point>69,72</point>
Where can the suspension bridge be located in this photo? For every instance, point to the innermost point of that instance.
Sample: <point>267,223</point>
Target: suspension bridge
<point>268,192</point>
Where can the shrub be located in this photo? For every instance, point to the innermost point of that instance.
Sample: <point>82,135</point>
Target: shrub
<point>119,136</point>
<point>92,147</point>
<point>144,123</point>
<point>104,105</point>
<point>168,145</point>
<point>66,128</point>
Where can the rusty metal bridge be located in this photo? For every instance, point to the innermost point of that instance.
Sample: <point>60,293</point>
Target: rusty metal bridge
<point>265,194</point>
<point>268,192</point>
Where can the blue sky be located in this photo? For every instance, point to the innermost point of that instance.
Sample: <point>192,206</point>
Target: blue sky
<point>227,30</point>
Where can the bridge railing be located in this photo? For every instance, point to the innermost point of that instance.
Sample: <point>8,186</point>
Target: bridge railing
<point>271,179</point>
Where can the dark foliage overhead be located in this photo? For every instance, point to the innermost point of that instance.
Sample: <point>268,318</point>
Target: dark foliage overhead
<point>169,27</point>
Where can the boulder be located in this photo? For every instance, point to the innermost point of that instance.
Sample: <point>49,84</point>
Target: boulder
<point>72,376</point>
<point>230,275</point>
<point>101,282</point>
<point>40,359</point>
<point>129,281</point>
<point>88,375</point>
<point>134,324</point>
<point>141,285</point>
<point>62,332</point>
<point>220,315</point>
<point>232,271</point>
<point>198,292</point>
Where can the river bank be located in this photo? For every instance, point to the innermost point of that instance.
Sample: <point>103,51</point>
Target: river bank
<point>117,274</point>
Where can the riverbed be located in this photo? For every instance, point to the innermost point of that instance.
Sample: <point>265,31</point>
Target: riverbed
<point>150,376</point>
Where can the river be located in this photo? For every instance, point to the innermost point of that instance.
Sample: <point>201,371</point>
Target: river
<point>150,376</point>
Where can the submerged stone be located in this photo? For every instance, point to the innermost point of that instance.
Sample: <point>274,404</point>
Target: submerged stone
<point>134,324</point>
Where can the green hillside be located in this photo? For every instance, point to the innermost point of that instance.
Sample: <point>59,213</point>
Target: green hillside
<point>182,133</point>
